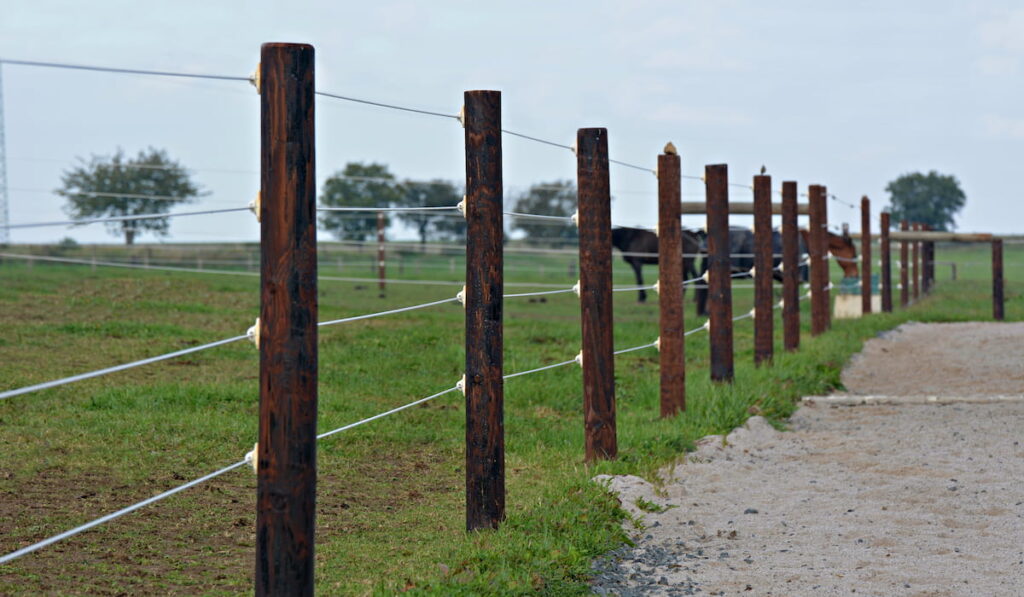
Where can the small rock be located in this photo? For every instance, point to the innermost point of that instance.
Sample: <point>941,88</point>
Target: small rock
<point>750,511</point>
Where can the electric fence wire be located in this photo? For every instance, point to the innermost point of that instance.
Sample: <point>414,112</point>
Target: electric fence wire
<point>129,71</point>
<point>128,218</point>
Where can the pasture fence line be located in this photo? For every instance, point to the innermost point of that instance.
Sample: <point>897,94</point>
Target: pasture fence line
<point>287,331</point>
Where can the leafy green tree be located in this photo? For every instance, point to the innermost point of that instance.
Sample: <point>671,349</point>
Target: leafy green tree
<point>932,199</point>
<point>109,187</point>
<point>358,185</point>
<point>441,225</point>
<point>556,198</point>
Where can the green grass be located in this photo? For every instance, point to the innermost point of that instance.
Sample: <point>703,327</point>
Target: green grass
<point>390,499</point>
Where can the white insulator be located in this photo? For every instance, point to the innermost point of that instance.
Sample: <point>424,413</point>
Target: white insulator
<point>579,358</point>
<point>805,257</point>
<point>707,325</point>
<point>462,116</point>
<point>753,272</point>
<point>781,266</point>
<point>253,333</point>
<point>830,286</point>
<point>575,148</point>
<point>782,303</point>
<point>461,206</point>
<point>252,458</point>
<point>657,287</point>
<point>655,230</point>
<point>461,385</point>
<point>256,204</point>
<point>461,296</point>
<point>576,288</point>
<point>753,312</point>
<point>707,276</point>
<point>575,218</point>
<point>657,344</point>
<point>809,294</point>
<point>254,78</point>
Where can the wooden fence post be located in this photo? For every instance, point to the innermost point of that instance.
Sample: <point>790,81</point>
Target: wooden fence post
<point>790,268</point>
<point>286,478</point>
<point>670,285</point>
<point>865,256</point>
<point>380,255</point>
<point>886,263</point>
<point>819,266</point>
<point>595,238</point>
<point>485,435</point>
<point>716,180</point>
<point>904,267</point>
<point>764,311</point>
<point>998,312</point>
<point>927,264</point>
<point>915,262</point>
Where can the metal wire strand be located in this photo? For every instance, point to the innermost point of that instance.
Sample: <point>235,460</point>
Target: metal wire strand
<point>383,105</point>
<point>389,209</point>
<point>128,218</point>
<point>129,71</point>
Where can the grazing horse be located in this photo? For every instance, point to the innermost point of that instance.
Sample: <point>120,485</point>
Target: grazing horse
<point>640,246</point>
<point>741,246</point>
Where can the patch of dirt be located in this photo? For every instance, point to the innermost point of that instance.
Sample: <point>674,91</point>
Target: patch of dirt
<point>894,499</point>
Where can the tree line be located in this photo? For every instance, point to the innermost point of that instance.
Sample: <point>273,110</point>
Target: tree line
<point>152,182</point>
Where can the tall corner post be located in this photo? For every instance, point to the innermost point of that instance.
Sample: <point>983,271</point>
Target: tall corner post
<point>790,268</point>
<point>485,433</point>
<point>595,230</point>
<point>865,255</point>
<point>764,310</point>
<point>886,255</point>
<point>998,304</point>
<point>818,251</point>
<point>670,287</point>
<point>286,455</point>
<point>716,180</point>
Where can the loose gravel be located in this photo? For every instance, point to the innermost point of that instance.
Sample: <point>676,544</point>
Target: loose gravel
<point>882,499</point>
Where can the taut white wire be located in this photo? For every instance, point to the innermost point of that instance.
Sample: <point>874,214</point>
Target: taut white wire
<point>386,413</point>
<point>128,218</point>
<point>156,498</point>
<point>389,312</point>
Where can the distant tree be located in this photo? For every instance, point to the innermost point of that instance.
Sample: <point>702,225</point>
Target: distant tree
<point>107,187</point>
<point>358,185</point>
<point>556,198</point>
<point>441,225</point>
<point>931,199</point>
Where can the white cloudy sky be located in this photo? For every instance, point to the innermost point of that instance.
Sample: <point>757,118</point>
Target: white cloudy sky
<point>849,95</point>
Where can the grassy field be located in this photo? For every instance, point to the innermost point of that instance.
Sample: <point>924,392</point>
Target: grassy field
<point>390,497</point>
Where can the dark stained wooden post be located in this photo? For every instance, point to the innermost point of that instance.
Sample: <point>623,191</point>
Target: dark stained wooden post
<point>865,254</point>
<point>819,266</point>
<point>790,268</point>
<point>716,179</point>
<point>485,431</point>
<point>380,254</point>
<point>883,245</point>
<point>286,478</point>
<point>670,285</point>
<point>764,312</point>
<point>998,312</point>
<point>595,224</point>
<point>916,263</point>
<point>927,263</point>
<point>904,267</point>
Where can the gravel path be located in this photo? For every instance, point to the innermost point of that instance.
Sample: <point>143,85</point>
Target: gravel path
<point>891,498</point>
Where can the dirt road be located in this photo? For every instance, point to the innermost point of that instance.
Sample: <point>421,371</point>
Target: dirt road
<point>918,492</point>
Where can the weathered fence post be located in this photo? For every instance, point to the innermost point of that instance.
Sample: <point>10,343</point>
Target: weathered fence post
<point>485,434</point>
<point>764,312</point>
<point>670,285</point>
<point>927,263</point>
<point>790,268</point>
<point>716,180</point>
<point>952,271</point>
<point>286,478</point>
<point>883,245</point>
<point>904,267</point>
<point>915,262</point>
<point>997,280</point>
<point>595,238</point>
<point>380,254</point>
<point>817,248</point>
<point>865,256</point>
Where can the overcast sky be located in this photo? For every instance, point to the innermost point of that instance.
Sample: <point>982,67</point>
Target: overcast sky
<point>850,95</point>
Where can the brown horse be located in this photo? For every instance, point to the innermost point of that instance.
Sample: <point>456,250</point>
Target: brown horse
<point>640,246</point>
<point>842,249</point>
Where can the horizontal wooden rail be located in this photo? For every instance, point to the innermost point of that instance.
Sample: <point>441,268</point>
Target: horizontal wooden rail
<point>739,208</point>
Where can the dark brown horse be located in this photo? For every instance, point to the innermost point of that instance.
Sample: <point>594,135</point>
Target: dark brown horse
<point>640,246</point>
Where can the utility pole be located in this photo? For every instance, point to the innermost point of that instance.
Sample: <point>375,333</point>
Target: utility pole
<point>5,233</point>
